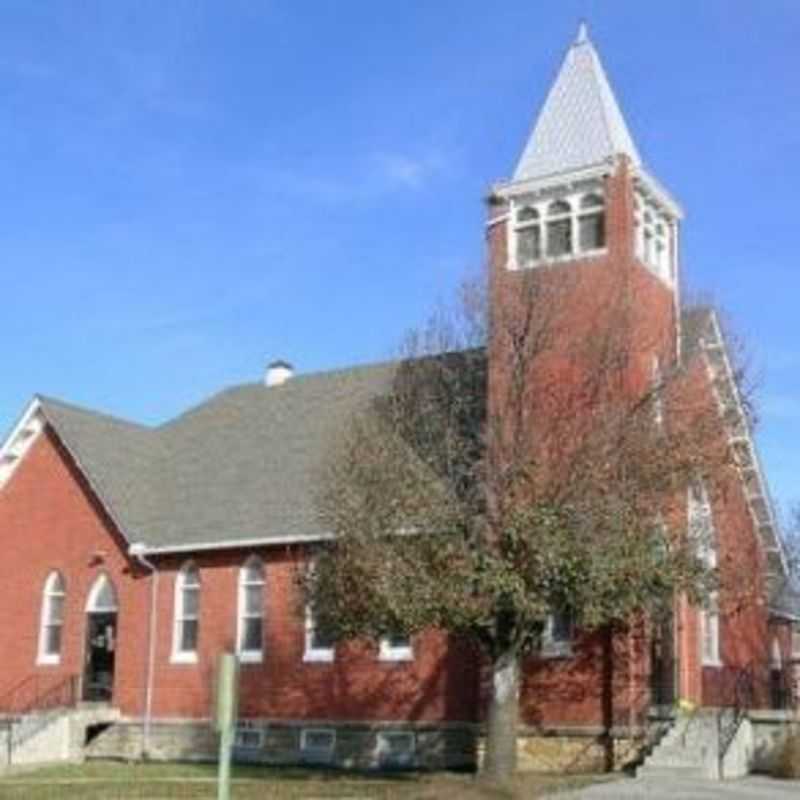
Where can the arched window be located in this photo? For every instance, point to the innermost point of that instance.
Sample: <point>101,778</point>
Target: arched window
<point>592,223</point>
<point>654,238</point>
<point>102,597</point>
<point>529,236</point>
<point>703,534</point>
<point>559,229</point>
<point>187,614</point>
<point>250,625</point>
<point>52,619</point>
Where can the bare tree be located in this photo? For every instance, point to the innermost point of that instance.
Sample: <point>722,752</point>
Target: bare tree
<point>522,462</point>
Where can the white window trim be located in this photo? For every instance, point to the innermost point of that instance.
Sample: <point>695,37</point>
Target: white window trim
<point>710,617</point>
<point>43,658</point>
<point>386,652</point>
<point>556,649</point>
<point>179,656</point>
<point>574,215</point>
<point>249,656</point>
<point>701,525</point>
<point>657,378</point>
<point>313,654</point>
<point>245,726</point>
<point>661,258</point>
<point>324,753</point>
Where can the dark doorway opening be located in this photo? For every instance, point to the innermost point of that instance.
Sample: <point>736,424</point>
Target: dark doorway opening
<point>101,644</point>
<point>662,663</point>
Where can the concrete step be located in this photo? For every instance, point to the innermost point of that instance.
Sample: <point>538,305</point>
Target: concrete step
<point>672,754</point>
<point>647,771</point>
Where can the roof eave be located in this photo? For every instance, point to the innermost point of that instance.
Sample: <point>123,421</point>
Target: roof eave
<point>652,186</point>
<point>514,188</point>
<point>235,544</point>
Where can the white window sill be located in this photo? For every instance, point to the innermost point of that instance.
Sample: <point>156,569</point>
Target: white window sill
<point>250,657</point>
<point>553,652</point>
<point>399,654</point>
<point>710,662</point>
<point>183,658</point>
<point>48,661</point>
<point>546,261</point>
<point>318,656</point>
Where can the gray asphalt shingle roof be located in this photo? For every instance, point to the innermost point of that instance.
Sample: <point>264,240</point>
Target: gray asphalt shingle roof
<point>241,466</point>
<point>238,467</point>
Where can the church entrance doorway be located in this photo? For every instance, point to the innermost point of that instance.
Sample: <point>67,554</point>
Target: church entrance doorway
<point>101,641</point>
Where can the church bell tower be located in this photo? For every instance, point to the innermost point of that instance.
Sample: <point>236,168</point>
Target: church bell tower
<point>580,205</point>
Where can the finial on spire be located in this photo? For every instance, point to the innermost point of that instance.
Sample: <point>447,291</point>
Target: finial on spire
<point>583,33</point>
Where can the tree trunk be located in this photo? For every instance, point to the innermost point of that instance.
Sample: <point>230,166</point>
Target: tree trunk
<point>500,760</point>
<point>608,697</point>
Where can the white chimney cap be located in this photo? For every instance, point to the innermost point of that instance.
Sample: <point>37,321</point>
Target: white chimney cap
<point>278,372</point>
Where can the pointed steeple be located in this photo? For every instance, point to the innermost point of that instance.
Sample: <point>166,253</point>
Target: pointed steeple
<point>580,124</point>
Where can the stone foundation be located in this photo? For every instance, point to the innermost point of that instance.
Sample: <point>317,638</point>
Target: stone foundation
<point>366,746</point>
<point>354,745</point>
<point>574,752</point>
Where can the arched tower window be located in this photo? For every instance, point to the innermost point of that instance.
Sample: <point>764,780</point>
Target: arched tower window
<point>250,619</point>
<point>592,223</point>
<point>52,619</point>
<point>529,236</point>
<point>187,614</point>
<point>559,229</point>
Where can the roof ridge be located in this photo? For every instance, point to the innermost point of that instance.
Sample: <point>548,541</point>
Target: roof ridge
<point>46,400</point>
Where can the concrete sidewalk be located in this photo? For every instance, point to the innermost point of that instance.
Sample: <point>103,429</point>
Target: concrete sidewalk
<point>754,787</point>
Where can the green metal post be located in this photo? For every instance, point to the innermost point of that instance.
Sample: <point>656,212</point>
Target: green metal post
<point>225,715</point>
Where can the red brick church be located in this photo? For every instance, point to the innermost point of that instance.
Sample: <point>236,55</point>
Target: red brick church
<point>134,554</point>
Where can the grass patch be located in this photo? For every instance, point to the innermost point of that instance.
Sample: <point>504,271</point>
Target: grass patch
<point>112,781</point>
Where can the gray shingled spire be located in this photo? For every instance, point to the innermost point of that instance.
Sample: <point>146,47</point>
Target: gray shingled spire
<point>580,123</point>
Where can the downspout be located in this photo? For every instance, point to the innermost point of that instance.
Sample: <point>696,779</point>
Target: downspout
<point>137,551</point>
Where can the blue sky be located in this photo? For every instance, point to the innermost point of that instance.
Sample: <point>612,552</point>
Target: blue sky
<point>190,189</point>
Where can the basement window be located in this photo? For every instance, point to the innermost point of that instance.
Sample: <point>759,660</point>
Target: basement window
<point>395,749</point>
<point>317,745</point>
<point>248,736</point>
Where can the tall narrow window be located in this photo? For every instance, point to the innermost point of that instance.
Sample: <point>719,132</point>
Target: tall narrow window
<point>658,392</point>
<point>529,236</point>
<point>52,619</point>
<point>701,530</point>
<point>592,223</point>
<point>559,229</point>
<point>187,614</point>
<point>557,634</point>
<point>250,634</point>
<point>319,643</point>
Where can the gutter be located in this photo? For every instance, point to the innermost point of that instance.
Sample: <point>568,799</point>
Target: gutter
<point>137,550</point>
<point>231,544</point>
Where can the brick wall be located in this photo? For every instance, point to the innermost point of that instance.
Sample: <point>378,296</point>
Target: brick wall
<point>51,521</point>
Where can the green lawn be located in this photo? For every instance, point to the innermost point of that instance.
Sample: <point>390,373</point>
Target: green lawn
<point>107,781</point>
